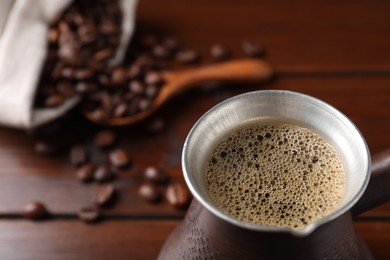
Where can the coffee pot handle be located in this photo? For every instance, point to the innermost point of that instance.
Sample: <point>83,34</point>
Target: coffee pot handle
<point>378,189</point>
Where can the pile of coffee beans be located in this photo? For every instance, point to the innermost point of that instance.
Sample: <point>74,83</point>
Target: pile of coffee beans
<point>80,42</point>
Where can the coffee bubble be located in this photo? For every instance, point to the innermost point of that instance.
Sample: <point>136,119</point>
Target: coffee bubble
<point>275,174</point>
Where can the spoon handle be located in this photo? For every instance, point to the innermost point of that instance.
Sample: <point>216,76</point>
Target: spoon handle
<point>244,70</point>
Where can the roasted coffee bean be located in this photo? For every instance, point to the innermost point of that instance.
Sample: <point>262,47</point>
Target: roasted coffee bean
<point>77,19</point>
<point>35,211</point>
<point>120,110</point>
<point>100,114</point>
<point>187,56</point>
<point>144,104</point>
<point>85,87</point>
<point>53,35</point>
<point>68,54</point>
<point>178,195</point>
<point>149,193</point>
<point>151,91</point>
<point>119,158</point>
<point>86,28</point>
<point>171,44</point>
<point>155,175</point>
<point>154,78</point>
<point>89,214</point>
<point>136,87</point>
<point>135,71</point>
<point>78,155</point>
<point>105,138</point>
<point>252,49</point>
<point>103,55</point>
<point>57,70</point>
<point>104,173</point>
<point>88,38</point>
<point>83,74</point>
<point>106,195</point>
<point>104,80</point>
<point>66,89</point>
<point>54,101</point>
<point>67,73</point>
<point>45,148</point>
<point>160,51</point>
<point>104,98</point>
<point>108,27</point>
<point>86,172</point>
<point>219,52</point>
<point>118,76</point>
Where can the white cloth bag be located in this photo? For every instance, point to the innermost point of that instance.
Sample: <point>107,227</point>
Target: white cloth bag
<point>23,48</point>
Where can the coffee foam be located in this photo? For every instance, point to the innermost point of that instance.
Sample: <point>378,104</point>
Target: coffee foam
<point>275,174</point>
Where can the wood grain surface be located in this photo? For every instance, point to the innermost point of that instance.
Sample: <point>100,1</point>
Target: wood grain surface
<point>336,51</point>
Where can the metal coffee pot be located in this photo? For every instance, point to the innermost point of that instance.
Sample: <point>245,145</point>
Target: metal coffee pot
<point>208,233</point>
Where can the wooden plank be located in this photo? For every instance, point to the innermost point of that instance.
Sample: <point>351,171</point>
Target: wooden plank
<point>377,236</point>
<point>76,240</point>
<point>303,36</point>
<point>121,239</point>
<point>26,176</point>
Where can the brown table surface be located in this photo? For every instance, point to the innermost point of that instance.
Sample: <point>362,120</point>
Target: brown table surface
<point>338,51</point>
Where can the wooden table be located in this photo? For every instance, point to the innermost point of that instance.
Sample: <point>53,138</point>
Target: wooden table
<point>336,51</point>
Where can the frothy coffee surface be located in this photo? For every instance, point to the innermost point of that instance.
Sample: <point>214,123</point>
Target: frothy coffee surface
<point>275,174</point>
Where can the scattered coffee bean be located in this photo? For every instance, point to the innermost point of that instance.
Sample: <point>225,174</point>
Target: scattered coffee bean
<point>106,195</point>
<point>252,49</point>
<point>78,155</point>
<point>86,172</point>
<point>119,158</point>
<point>149,193</point>
<point>155,175</point>
<point>178,195</point>
<point>35,211</point>
<point>105,138</point>
<point>46,148</point>
<point>171,44</point>
<point>219,52</point>
<point>89,214</point>
<point>187,56</point>
<point>104,173</point>
<point>160,51</point>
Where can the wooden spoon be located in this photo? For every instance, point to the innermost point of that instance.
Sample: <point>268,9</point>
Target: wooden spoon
<point>245,71</point>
